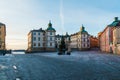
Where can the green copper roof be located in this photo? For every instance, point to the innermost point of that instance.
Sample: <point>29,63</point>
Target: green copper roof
<point>115,22</point>
<point>82,30</point>
<point>50,28</point>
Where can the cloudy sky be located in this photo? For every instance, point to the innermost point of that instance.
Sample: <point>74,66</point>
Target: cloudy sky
<point>21,16</point>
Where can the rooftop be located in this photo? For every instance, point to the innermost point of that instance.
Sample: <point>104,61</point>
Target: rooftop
<point>115,23</point>
<point>50,28</point>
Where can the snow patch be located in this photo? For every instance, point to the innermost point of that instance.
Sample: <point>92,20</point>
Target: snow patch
<point>3,67</point>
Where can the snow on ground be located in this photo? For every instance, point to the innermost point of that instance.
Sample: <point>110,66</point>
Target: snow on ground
<point>75,56</point>
<point>80,65</point>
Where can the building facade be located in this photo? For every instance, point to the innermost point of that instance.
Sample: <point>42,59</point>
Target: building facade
<point>42,40</point>
<point>80,40</point>
<point>50,34</point>
<point>59,38</point>
<point>36,40</point>
<point>2,36</point>
<point>83,39</point>
<point>94,43</point>
<point>99,34</point>
<point>116,38</point>
<point>106,37</point>
<point>74,41</point>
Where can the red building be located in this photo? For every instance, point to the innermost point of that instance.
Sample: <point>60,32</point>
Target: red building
<point>93,42</point>
<point>106,37</point>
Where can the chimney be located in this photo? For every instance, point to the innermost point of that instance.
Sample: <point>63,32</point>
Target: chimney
<point>116,18</point>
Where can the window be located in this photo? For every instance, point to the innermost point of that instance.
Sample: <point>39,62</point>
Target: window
<point>34,33</point>
<point>43,44</point>
<point>38,38</point>
<point>50,38</point>
<point>83,45</point>
<point>50,33</point>
<point>34,38</point>
<point>88,45</point>
<point>38,44</point>
<point>0,32</point>
<point>88,40</point>
<point>39,33</point>
<point>83,39</point>
<point>34,44</point>
<point>50,44</point>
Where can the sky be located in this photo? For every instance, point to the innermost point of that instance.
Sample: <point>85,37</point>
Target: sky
<point>21,16</point>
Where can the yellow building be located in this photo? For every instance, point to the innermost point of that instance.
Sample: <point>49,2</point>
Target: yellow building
<point>2,36</point>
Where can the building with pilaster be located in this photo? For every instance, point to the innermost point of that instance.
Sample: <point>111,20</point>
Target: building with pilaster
<point>116,38</point>
<point>2,36</point>
<point>42,40</point>
<point>94,43</point>
<point>50,34</point>
<point>80,40</point>
<point>106,37</point>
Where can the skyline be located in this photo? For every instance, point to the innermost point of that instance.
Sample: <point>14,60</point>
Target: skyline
<point>21,16</point>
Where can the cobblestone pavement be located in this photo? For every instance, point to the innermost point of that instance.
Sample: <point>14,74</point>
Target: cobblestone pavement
<point>88,65</point>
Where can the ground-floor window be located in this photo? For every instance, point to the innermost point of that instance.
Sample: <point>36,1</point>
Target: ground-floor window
<point>34,44</point>
<point>38,44</point>
<point>50,44</point>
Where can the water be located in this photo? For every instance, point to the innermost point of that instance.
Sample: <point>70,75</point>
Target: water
<point>14,52</point>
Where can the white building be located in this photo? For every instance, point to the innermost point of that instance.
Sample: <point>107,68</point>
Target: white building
<point>42,40</point>
<point>50,38</point>
<point>80,40</point>
<point>36,40</point>
<point>2,36</point>
<point>83,39</point>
